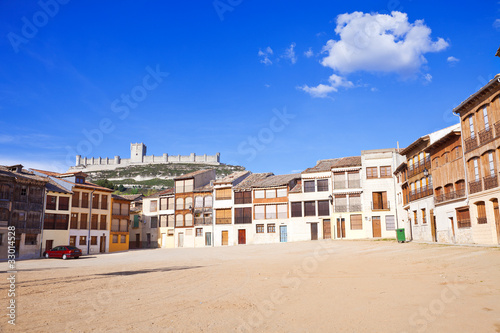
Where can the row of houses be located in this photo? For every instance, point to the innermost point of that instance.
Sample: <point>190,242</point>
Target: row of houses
<point>443,187</point>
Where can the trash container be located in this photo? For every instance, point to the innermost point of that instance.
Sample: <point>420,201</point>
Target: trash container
<point>400,233</point>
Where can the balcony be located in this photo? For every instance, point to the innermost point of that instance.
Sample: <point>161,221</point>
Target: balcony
<point>21,205</point>
<point>340,208</point>
<point>385,205</point>
<point>482,220</point>
<point>355,208</point>
<point>243,220</point>
<point>4,196</point>
<point>452,195</point>
<point>418,168</point>
<point>55,225</point>
<point>497,129</point>
<point>471,143</point>
<point>490,182</point>
<point>223,220</point>
<point>102,225</point>
<point>203,220</point>
<point>415,195</point>
<point>339,184</point>
<point>354,183</point>
<point>475,186</point>
<point>465,223</point>
<point>485,135</point>
<point>120,228</point>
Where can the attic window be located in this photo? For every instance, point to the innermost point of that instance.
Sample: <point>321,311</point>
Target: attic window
<point>23,191</point>
<point>80,180</point>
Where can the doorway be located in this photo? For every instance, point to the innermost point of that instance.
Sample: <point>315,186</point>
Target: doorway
<point>208,239</point>
<point>283,234</point>
<point>327,229</point>
<point>453,230</point>
<point>225,237</point>
<point>314,231</point>
<point>497,218</point>
<point>49,243</point>
<point>377,229</point>
<point>137,241</point>
<point>102,247</point>
<point>180,240</point>
<point>242,239</point>
<point>340,228</point>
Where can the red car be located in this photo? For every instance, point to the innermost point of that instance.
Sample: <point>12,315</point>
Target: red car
<point>63,251</point>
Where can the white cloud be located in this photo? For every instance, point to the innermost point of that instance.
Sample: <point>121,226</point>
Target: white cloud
<point>264,55</point>
<point>290,54</point>
<point>428,78</point>
<point>322,90</point>
<point>309,53</point>
<point>452,60</point>
<point>267,85</point>
<point>380,43</point>
<point>373,89</point>
<point>496,24</point>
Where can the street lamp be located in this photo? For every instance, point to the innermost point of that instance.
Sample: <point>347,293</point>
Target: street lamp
<point>426,172</point>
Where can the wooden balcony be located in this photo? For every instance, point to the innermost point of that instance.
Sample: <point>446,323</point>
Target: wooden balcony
<point>463,223</point>
<point>424,192</point>
<point>497,129</point>
<point>485,135</point>
<point>450,196</point>
<point>418,168</point>
<point>490,182</point>
<point>475,186</point>
<point>471,143</point>
<point>385,205</point>
<point>203,220</point>
<point>482,220</point>
<point>223,220</point>
<point>243,219</point>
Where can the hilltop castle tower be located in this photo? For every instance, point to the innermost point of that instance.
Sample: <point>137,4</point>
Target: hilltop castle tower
<point>137,152</point>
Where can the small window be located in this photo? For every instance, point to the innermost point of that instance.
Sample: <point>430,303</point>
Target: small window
<point>371,172</point>
<point>93,240</point>
<point>356,222</point>
<point>260,228</point>
<point>271,228</point>
<point>281,192</point>
<point>390,223</point>
<point>259,194</point>
<point>270,194</point>
<point>30,239</point>
<point>385,171</point>
<point>199,232</point>
<point>424,216</point>
<point>83,240</point>
<point>322,185</point>
<point>115,239</point>
<point>123,239</point>
<point>309,186</point>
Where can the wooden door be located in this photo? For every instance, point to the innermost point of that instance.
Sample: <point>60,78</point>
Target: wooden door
<point>137,241</point>
<point>148,240</point>
<point>72,240</point>
<point>283,234</point>
<point>208,239</point>
<point>497,218</point>
<point>49,243</point>
<point>340,228</point>
<point>377,230</point>
<point>314,231</point>
<point>103,244</point>
<point>225,237</point>
<point>327,229</point>
<point>452,229</point>
<point>433,227</point>
<point>242,239</point>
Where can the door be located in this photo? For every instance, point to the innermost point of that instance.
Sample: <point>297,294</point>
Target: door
<point>225,237</point>
<point>314,231</point>
<point>340,228</point>
<point>242,238</point>
<point>48,244</point>
<point>327,229</point>
<point>208,238</point>
<point>433,228</point>
<point>452,229</point>
<point>283,234</point>
<point>72,240</point>
<point>148,240</point>
<point>163,240</point>
<point>181,240</point>
<point>103,244</point>
<point>497,218</point>
<point>137,241</point>
<point>377,230</point>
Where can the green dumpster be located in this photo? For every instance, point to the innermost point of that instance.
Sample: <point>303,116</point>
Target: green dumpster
<point>400,233</point>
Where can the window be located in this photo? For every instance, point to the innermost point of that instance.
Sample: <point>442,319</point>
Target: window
<point>445,158</point>
<point>124,225</point>
<point>83,220</point>
<point>123,239</point>
<point>243,215</point>
<point>154,222</point>
<point>243,197</point>
<point>270,211</point>
<point>476,169</point>
<point>93,240</point>
<point>259,194</point>
<point>322,185</point>
<point>471,127</point>
<point>260,228</point>
<point>270,194</point>
<point>171,203</point>
<point>51,202</point>
<point>309,208</point>
<point>485,117</point>
<point>63,203</point>
<point>390,222</point>
<point>356,222</point>
<point>380,200</point>
<point>74,221</point>
<point>75,199</point>
<point>371,172</point>
<point>103,225</point>
<point>179,204</point>
<point>170,220</point>
<point>30,239</point>
<point>424,217</point>
<point>323,208</point>
<point>94,222</point>
<point>184,186</point>
<point>309,186</point>
<point>415,220</point>
<point>95,201</point>
<point>491,162</point>
<point>481,213</point>
<point>115,224</point>
<point>199,232</point>
<point>116,208</point>
<point>115,239</point>
<point>198,202</point>
<point>83,240</point>
<point>271,228</point>
<point>282,211</point>
<point>85,200</point>
<point>154,206</point>
<point>436,162</point>
<point>188,203</point>
<point>104,201</point>
<point>124,209</point>
<point>223,194</point>
<point>296,209</point>
<point>179,220</point>
<point>163,204</point>
<point>72,240</point>
<point>281,192</point>
<point>260,212</point>
<point>223,216</point>
<point>385,171</point>
<point>24,191</point>
<point>463,218</point>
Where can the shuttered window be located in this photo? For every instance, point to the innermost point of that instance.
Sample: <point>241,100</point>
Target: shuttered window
<point>259,212</point>
<point>390,222</point>
<point>243,197</point>
<point>223,216</point>
<point>153,206</point>
<point>282,211</point>
<point>323,208</point>
<point>481,213</point>
<point>271,212</point>
<point>309,208</point>
<point>463,218</point>
<point>296,209</point>
<point>243,215</point>
<point>309,186</point>
<point>322,185</point>
<point>223,194</point>
<point>356,222</point>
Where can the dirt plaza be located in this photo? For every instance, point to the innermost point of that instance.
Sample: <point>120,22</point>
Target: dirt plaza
<point>316,286</point>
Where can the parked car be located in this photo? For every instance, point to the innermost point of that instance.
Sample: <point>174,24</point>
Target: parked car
<point>63,251</point>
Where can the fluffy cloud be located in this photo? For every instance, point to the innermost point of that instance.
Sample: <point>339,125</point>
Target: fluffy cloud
<point>452,60</point>
<point>322,90</point>
<point>496,24</point>
<point>309,53</point>
<point>264,55</point>
<point>290,54</point>
<point>380,43</point>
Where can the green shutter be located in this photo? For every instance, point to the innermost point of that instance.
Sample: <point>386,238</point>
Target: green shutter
<point>136,221</point>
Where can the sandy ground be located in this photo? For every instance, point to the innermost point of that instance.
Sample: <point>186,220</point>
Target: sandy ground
<point>318,286</point>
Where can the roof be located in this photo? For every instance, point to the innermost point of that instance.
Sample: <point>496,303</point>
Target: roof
<point>327,165</point>
<point>55,187</point>
<point>159,193</point>
<point>205,188</point>
<point>192,174</point>
<point>61,176</point>
<point>442,140</point>
<point>22,175</point>
<point>132,197</point>
<point>252,179</point>
<point>432,137</point>
<point>229,179</point>
<point>472,98</point>
<point>297,188</point>
<point>279,180</point>
<point>119,197</point>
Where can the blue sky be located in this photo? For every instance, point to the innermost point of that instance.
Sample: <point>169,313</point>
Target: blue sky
<point>273,86</point>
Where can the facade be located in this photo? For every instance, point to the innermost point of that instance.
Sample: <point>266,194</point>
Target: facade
<point>150,216</point>
<point>137,157</point>
<point>135,230</point>
<point>119,227</point>
<point>166,219</point>
<point>185,187</point>
<point>480,124</point>
<point>226,232</point>
<point>57,216</point>
<point>21,207</point>
<point>450,199</point>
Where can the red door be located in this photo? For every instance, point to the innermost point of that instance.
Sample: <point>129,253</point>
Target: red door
<point>242,239</point>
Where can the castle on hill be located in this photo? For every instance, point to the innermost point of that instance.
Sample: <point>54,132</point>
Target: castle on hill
<point>138,157</point>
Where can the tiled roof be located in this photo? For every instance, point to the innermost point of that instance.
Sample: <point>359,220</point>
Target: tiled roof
<point>158,194</point>
<point>477,94</point>
<point>279,180</point>
<point>232,177</point>
<point>192,174</point>
<point>24,174</point>
<point>432,137</point>
<point>206,188</point>
<point>61,176</point>
<point>132,197</point>
<point>297,188</point>
<point>327,165</point>
<point>55,187</point>
<point>250,180</point>
<point>119,197</point>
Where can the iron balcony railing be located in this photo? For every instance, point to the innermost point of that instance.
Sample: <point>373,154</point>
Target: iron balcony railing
<point>475,186</point>
<point>418,194</point>
<point>471,143</point>
<point>464,223</point>
<point>490,182</point>
<point>485,135</point>
<point>381,206</point>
